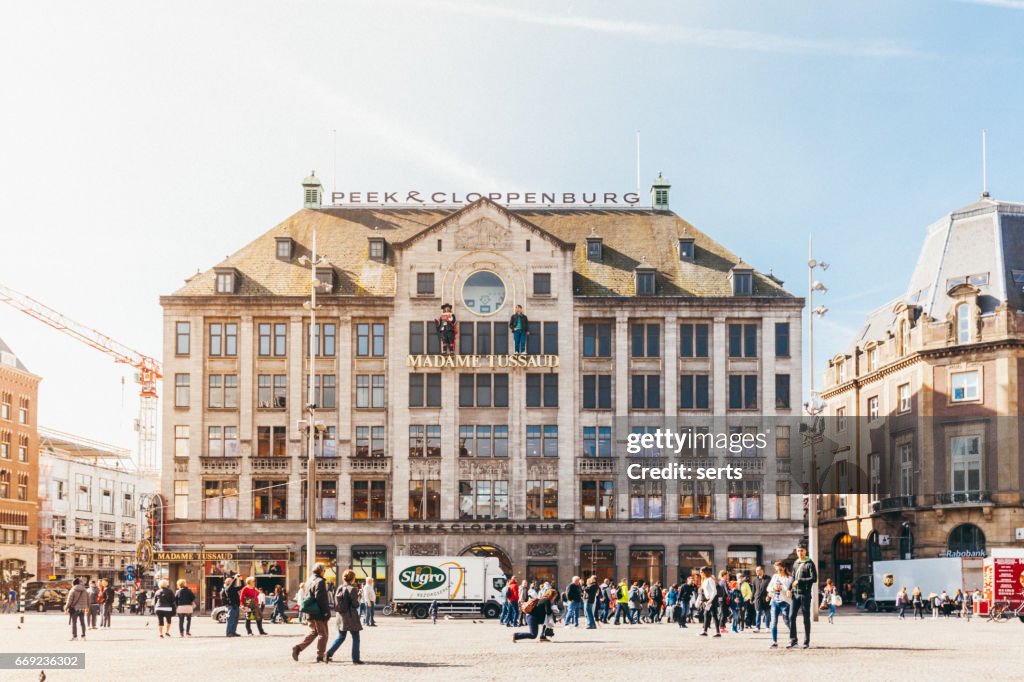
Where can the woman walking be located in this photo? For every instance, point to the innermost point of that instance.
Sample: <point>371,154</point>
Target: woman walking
<point>918,601</point>
<point>280,605</point>
<point>780,596</point>
<point>346,603</point>
<point>709,597</point>
<point>828,599</point>
<point>253,608</point>
<point>185,599</point>
<point>163,605</point>
<point>902,599</point>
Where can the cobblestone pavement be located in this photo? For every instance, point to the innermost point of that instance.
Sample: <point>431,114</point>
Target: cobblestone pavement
<point>857,646</point>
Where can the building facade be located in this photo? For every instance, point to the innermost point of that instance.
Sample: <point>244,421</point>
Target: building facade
<point>19,468</point>
<point>90,496</point>
<point>925,405</point>
<point>633,315</point>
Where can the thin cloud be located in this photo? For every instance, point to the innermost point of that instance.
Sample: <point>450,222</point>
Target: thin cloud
<point>1008,4</point>
<point>726,39</point>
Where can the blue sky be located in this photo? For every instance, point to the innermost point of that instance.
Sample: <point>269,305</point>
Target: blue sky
<point>141,143</point>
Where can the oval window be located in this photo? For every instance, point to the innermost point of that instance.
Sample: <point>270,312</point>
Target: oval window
<point>483,293</point>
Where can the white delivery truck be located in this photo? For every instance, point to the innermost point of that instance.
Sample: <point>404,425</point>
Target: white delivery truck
<point>931,575</point>
<point>459,584</point>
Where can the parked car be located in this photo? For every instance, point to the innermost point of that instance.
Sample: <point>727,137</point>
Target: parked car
<point>220,613</point>
<point>47,598</point>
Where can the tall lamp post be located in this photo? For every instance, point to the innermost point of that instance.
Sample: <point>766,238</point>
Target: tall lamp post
<point>311,424</point>
<point>814,407</point>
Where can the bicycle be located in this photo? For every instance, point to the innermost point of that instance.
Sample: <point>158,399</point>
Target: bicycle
<point>1003,611</point>
<point>389,609</point>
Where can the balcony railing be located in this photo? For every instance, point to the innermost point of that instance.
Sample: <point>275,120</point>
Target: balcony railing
<point>749,465</point>
<point>329,465</point>
<point>277,465</point>
<point>891,504</point>
<point>220,465</point>
<point>963,498</point>
<point>370,464</point>
<point>596,465</point>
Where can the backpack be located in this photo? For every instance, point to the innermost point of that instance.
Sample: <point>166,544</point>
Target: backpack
<point>224,597</point>
<point>530,605</point>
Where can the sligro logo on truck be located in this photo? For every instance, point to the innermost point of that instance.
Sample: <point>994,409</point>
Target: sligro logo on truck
<point>422,577</point>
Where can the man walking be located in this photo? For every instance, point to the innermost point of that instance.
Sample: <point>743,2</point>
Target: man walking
<point>520,327</point>
<point>94,603</point>
<point>107,596</point>
<point>622,603</point>
<point>318,614</point>
<point>805,575</point>
<point>76,606</point>
<point>759,585</point>
<point>574,595</point>
<point>369,601</point>
<point>232,596</point>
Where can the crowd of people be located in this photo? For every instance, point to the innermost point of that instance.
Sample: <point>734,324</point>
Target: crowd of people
<point>732,604</point>
<point>960,604</point>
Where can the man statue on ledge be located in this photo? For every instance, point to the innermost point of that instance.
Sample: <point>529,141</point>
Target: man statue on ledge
<point>445,325</point>
<point>520,325</point>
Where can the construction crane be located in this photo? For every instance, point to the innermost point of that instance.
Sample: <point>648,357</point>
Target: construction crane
<point>148,370</point>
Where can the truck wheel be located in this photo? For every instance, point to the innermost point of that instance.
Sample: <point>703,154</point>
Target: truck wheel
<point>1021,618</point>
<point>491,611</point>
<point>873,607</point>
<point>420,612</point>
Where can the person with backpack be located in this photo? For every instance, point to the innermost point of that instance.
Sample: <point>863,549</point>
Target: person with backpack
<point>828,599</point>
<point>709,596</point>
<point>657,600</point>
<point>622,603</point>
<point>317,607</point>
<point>686,594</point>
<point>538,610</point>
<point>230,596</point>
<point>76,606</point>
<point>253,610</point>
<point>737,606</point>
<point>805,575</point>
<point>346,603</point>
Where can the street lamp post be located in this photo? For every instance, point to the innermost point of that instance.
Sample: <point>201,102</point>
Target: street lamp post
<point>814,408</point>
<point>311,424</point>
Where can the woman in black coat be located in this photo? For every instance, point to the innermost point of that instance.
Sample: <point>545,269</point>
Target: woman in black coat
<point>185,600</point>
<point>535,619</point>
<point>163,605</point>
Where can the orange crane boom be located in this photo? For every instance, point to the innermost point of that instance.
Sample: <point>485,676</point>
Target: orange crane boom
<point>149,369</point>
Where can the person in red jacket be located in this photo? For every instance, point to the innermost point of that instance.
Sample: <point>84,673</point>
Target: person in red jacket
<point>251,601</point>
<point>512,603</point>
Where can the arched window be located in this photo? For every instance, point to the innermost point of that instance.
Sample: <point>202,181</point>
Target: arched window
<point>874,549</point>
<point>842,547</point>
<point>966,539</point>
<point>963,323</point>
<point>906,542</point>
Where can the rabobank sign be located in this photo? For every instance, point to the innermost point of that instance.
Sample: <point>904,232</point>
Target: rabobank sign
<point>422,577</point>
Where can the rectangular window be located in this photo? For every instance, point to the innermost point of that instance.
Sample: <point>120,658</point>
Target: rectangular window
<point>597,340</point>
<point>325,340</point>
<point>694,393</point>
<point>873,408</point>
<point>646,340</point>
<point>424,390</point>
<point>369,500</point>
<point>742,283</point>
<point>220,499</point>
<point>542,499</point>
<point>425,283</point>
<point>782,394</point>
<point>280,339</point>
<point>270,441</point>
<point>742,391</point>
<point>215,398</point>
<point>783,501</point>
<point>782,339</point>
<point>966,463</point>
<point>181,390</point>
<point>597,500</point>
<point>745,499</point>
<point>280,391</point>
<point>542,284</point>
<point>904,395</point>
<point>269,500</point>
<point>742,340</point>
<point>542,390</point>
<point>875,476</point>
<point>216,339</point>
<point>542,440</point>
<point>646,500</point>
<point>263,338</point>
<point>181,338</point>
<point>782,442</point>
<point>906,451</point>
<point>483,390</point>
<point>597,391</point>
<point>841,419</point>
<point>181,499</point>
<point>646,392</point>
<point>693,340</point>
<point>965,386</point>
<point>645,283</point>
<point>181,441</point>
<point>425,500</point>
<point>597,441</point>
<point>370,339</point>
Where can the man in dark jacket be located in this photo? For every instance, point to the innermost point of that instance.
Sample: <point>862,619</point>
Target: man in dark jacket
<point>520,327</point>
<point>574,597</point>
<point>108,604</point>
<point>318,616</point>
<point>233,600</point>
<point>805,575</point>
<point>759,583</point>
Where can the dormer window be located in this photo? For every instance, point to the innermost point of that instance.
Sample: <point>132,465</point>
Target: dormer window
<point>645,281</point>
<point>377,249</point>
<point>285,248</point>
<point>325,275</point>
<point>227,280</point>
<point>686,248</point>
<point>595,249</point>
<point>742,280</point>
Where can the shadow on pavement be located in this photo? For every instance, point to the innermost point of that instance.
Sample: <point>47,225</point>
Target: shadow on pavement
<point>413,664</point>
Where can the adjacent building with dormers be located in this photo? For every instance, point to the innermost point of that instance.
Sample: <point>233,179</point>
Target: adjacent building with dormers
<point>633,314</point>
<point>925,405</point>
<point>19,468</point>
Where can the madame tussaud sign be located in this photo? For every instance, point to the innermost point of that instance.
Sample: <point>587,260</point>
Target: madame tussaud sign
<point>488,361</point>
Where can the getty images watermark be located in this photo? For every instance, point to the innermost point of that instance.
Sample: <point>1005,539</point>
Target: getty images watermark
<point>657,442</point>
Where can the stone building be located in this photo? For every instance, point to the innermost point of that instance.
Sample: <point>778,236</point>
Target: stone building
<point>925,405</point>
<point>90,495</point>
<point>19,468</point>
<point>633,314</point>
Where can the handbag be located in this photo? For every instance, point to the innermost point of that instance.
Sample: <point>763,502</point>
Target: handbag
<point>186,609</point>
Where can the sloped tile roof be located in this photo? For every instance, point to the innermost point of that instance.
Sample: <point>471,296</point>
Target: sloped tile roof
<point>631,238</point>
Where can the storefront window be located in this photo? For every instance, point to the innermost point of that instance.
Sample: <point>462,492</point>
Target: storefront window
<point>542,572</point>
<point>326,555</point>
<point>646,563</point>
<point>740,559</point>
<point>599,561</point>
<point>693,559</point>
<point>369,500</point>
<point>372,562</point>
